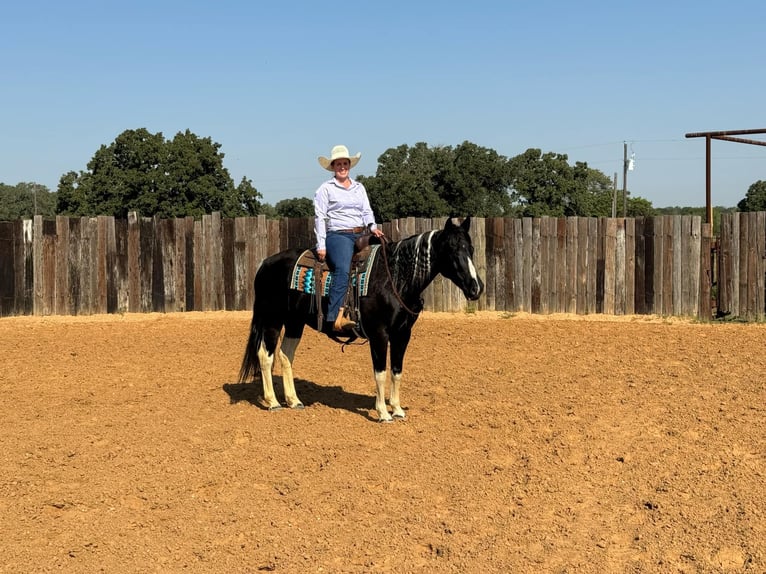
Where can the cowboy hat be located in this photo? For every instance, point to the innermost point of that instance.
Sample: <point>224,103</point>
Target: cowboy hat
<point>338,152</point>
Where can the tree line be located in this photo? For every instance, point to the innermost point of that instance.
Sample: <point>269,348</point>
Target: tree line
<point>185,176</point>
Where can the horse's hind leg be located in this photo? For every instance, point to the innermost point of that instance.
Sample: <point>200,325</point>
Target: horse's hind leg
<point>286,357</point>
<point>266,359</point>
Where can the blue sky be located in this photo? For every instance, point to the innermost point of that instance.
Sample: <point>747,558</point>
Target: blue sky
<point>279,83</point>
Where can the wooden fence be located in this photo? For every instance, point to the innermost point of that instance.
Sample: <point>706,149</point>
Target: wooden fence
<point>657,265</point>
<point>741,257</point>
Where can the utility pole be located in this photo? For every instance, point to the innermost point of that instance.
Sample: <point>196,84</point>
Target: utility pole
<point>625,179</point>
<point>614,196</point>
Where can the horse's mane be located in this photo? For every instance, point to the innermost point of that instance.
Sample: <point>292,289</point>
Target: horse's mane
<point>412,259</point>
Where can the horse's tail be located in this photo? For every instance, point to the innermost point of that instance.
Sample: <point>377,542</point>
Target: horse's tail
<point>251,367</point>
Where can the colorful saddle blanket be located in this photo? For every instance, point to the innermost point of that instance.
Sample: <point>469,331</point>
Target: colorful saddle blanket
<point>304,271</point>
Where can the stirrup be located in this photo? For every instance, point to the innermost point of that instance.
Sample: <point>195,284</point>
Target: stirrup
<point>343,324</point>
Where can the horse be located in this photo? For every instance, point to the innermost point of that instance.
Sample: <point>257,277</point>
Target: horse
<point>386,313</point>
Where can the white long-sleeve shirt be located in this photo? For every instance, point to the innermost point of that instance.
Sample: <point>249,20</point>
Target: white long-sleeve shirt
<point>336,207</point>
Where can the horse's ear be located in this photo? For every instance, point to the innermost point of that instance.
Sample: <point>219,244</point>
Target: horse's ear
<point>466,223</point>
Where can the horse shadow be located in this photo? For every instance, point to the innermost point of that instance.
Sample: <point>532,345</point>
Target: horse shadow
<point>334,397</point>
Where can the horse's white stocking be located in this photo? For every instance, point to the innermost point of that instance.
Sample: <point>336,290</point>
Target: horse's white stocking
<point>396,380</point>
<point>286,356</point>
<point>380,397</point>
<point>266,361</point>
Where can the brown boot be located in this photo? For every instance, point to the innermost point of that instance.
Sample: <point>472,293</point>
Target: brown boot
<point>343,323</point>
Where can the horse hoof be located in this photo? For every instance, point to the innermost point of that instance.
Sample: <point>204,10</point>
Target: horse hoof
<point>400,417</point>
<point>276,408</point>
<point>385,421</point>
<point>298,406</point>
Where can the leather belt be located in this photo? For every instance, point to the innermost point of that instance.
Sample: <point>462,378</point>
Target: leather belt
<point>352,230</point>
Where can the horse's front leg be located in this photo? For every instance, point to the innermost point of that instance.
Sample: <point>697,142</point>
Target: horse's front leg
<point>398,348</point>
<point>378,347</point>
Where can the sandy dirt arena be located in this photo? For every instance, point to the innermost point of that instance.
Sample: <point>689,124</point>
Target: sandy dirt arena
<point>532,444</point>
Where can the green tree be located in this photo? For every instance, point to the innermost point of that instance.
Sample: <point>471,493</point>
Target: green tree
<point>403,184</point>
<point>24,200</point>
<point>269,211</point>
<point>755,199</point>
<point>295,207</point>
<point>545,184</point>
<point>420,181</point>
<point>246,198</point>
<point>143,172</point>
<point>640,207</point>
<point>473,180</point>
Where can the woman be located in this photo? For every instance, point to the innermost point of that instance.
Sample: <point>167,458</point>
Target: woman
<point>342,213</point>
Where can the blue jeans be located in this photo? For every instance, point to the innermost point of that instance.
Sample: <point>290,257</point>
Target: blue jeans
<point>340,250</point>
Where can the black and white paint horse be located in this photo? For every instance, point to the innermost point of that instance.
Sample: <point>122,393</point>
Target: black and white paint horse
<point>387,312</point>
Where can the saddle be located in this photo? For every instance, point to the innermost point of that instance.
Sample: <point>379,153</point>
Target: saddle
<point>314,277</point>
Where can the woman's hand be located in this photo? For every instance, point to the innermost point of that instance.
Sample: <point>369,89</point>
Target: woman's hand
<point>377,232</point>
<point>321,254</point>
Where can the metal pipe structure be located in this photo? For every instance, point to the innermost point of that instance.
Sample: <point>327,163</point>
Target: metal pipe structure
<point>725,136</point>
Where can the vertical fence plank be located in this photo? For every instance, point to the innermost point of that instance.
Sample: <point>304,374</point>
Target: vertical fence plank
<point>545,265</point>
<point>119,266</point>
<point>639,298</point>
<point>511,229</point>
<point>218,299</point>
<point>491,279</point>
<point>610,248</point>
<point>65,243</point>
<point>601,264</point>
<point>227,265</point>
<point>674,248</point>
<point>190,269</point>
<point>526,260</point>
<point>100,262</point>
<point>695,244</point>
<point>744,277</point>
<point>26,285</point>
<point>752,266</point>
<point>9,265</point>
<point>178,240</point>
<point>551,265</point>
<point>723,300</point>
<point>630,266</point>
<point>535,285</point>
<point>90,269</point>
<point>658,270</point>
<point>479,239</point>
<point>759,241</point>
<point>619,268</point>
<point>134,263</point>
<point>517,272</point>
<point>686,266</point>
<point>736,311</point>
<point>562,263</point>
<point>239,256</point>
<point>571,298</point>
<point>705,310</point>
<point>582,265</point>
<point>591,266</point>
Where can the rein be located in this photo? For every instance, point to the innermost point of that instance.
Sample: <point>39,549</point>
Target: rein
<point>384,241</point>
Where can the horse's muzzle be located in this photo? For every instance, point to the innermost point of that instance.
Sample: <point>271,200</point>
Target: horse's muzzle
<point>474,290</point>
